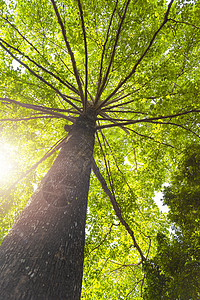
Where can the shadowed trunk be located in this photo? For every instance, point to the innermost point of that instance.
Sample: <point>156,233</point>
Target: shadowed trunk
<point>42,256</point>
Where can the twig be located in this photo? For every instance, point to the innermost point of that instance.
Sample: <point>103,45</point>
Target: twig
<point>141,280</point>
<point>126,265</point>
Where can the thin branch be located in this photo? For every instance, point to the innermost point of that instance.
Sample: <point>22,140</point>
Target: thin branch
<point>58,53</point>
<point>151,138</point>
<point>66,97</point>
<point>182,22</point>
<point>121,83</point>
<point>69,51</point>
<point>116,207</point>
<point>48,108</point>
<point>37,108</point>
<point>148,248</point>
<point>178,125</point>
<point>130,101</point>
<point>105,117</point>
<point>27,119</point>
<point>100,91</point>
<point>118,105</point>
<point>136,283</point>
<point>110,178</point>
<point>107,163</point>
<point>143,279</point>
<point>86,55</point>
<point>56,46</point>
<point>125,265</point>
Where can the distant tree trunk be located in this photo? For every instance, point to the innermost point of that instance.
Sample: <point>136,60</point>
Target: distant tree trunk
<point>42,256</point>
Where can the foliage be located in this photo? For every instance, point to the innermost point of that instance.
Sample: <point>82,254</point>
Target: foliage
<point>174,273</point>
<point>137,64</point>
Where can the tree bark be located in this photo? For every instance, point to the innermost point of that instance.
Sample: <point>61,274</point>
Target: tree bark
<point>42,256</point>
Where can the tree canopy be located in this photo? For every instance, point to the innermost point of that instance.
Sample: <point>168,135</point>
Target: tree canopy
<point>174,272</point>
<point>136,63</point>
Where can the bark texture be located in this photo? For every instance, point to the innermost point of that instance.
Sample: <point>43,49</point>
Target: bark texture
<point>42,256</point>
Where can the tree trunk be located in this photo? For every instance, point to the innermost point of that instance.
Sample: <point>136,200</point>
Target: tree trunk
<point>42,256</point>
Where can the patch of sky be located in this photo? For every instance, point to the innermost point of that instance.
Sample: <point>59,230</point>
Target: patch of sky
<point>158,200</point>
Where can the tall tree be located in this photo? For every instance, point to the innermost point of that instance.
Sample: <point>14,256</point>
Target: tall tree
<point>121,77</point>
<point>174,272</point>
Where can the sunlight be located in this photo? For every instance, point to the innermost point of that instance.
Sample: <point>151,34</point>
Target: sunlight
<point>6,165</point>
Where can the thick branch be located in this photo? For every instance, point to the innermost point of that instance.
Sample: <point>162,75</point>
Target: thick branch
<point>125,112</point>
<point>72,87</point>
<point>24,38</point>
<point>66,83</point>
<point>39,77</point>
<point>121,83</point>
<point>37,108</point>
<point>69,51</point>
<point>86,54</point>
<point>150,119</point>
<point>104,47</point>
<point>107,117</point>
<point>116,207</point>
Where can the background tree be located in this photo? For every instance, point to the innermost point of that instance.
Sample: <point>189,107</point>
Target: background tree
<point>174,273</point>
<point>131,68</point>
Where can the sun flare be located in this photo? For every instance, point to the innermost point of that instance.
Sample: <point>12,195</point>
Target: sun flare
<point>6,165</point>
